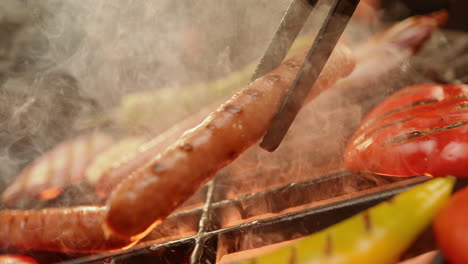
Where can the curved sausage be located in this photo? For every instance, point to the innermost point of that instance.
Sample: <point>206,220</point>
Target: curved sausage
<point>121,168</point>
<point>75,229</point>
<point>112,157</point>
<point>335,114</point>
<point>64,165</point>
<point>154,191</point>
<point>404,37</point>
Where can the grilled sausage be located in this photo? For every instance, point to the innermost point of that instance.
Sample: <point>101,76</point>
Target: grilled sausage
<point>154,191</point>
<point>404,38</point>
<point>129,162</point>
<point>64,165</point>
<point>112,157</point>
<point>75,229</point>
<point>336,113</point>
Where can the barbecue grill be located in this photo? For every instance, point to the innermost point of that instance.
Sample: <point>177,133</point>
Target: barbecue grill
<point>214,225</point>
<point>297,212</point>
<point>217,228</point>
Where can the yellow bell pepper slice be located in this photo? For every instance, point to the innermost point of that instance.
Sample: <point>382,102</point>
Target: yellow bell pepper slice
<point>378,235</point>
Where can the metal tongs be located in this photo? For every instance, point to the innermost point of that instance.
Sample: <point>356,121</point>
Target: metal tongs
<point>291,24</point>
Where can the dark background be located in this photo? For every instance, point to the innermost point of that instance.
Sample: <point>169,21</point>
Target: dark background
<point>458,10</point>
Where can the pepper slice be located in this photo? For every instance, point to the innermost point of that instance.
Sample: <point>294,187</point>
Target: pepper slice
<point>377,235</point>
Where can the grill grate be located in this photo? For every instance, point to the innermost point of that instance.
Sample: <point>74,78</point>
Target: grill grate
<point>211,242</point>
<point>292,216</point>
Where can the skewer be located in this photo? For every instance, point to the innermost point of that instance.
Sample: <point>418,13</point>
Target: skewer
<point>329,34</point>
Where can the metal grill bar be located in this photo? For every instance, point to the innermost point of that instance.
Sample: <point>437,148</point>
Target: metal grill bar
<point>201,253</point>
<point>202,247</point>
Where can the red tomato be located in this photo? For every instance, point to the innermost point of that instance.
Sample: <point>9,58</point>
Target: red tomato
<point>16,259</point>
<point>451,228</point>
<point>422,129</point>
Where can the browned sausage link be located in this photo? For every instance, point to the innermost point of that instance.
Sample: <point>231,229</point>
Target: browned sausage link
<point>405,37</point>
<point>138,157</point>
<point>107,160</point>
<point>117,171</point>
<point>75,229</point>
<point>154,191</point>
<point>64,165</point>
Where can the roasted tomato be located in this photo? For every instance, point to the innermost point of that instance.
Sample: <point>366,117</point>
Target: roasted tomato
<point>451,228</point>
<point>422,129</point>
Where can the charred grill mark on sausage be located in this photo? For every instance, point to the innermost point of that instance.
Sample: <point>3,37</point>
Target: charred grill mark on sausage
<point>273,78</point>
<point>253,92</point>
<point>211,127</point>
<point>233,109</point>
<point>158,169</point>
<point>292,65</point>
<point>186,147</point>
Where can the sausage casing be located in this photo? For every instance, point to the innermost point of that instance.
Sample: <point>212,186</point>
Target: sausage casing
<point>69,230</point>
<point>155,190</point>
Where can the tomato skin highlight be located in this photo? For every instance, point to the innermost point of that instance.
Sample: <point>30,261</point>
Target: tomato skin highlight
<point>422,129</point>
<point>451,228</point>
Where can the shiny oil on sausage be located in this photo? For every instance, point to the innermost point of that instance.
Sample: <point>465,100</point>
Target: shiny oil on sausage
<point>69,230</point>
<point>64,165</point>
<point>155,190</point>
